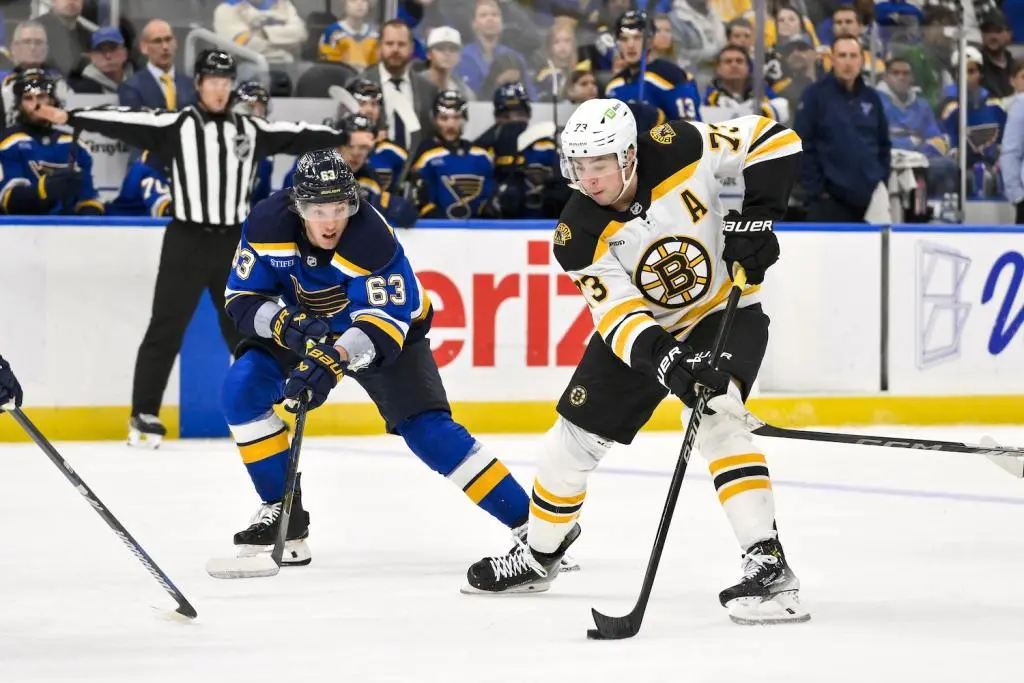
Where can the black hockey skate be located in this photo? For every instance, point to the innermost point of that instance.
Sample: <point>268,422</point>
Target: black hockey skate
<point>146,430</point>
<point>769,592</point>
<point>521,570</point>
<point>262,532</point>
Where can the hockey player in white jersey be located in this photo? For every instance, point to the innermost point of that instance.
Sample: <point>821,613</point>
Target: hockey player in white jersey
<point>645,240</point>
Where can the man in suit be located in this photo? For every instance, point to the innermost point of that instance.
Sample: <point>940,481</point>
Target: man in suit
<point>404,90</point>
<point>158,85</point>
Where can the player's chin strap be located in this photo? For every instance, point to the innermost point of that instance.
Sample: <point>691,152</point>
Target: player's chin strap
<point>626,181</point>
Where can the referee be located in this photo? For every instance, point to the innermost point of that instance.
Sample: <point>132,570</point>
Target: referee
<point>213,154</point>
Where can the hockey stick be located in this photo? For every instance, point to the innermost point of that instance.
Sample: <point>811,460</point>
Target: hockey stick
<point>1009,458</point>
<point>184,608</point>
<point>616,628</point>
<point>644,42</point>
<point>255,566</point>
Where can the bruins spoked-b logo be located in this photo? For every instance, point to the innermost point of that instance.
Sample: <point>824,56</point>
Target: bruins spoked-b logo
<point>577,396</point>
<point>674,272</point>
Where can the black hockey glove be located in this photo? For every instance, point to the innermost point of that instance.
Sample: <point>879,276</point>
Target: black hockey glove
<point>314,377</point>
<point>751,243</point>
<point>681,368</point>
<point>61,186</point>
<point>298,330</point>
<point>10,390</point>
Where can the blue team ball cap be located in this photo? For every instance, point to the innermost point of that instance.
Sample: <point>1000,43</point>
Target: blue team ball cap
<point>107,34</point>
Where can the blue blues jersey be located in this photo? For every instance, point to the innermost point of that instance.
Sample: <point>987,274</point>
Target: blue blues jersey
<point>27,157</point>
<point>453,180</point>
<point>387,161</point>
<point>986,119</point>
<point>264,174</point>
<point>666,86</point>
<point>366,282</point>
<point>144,192</point>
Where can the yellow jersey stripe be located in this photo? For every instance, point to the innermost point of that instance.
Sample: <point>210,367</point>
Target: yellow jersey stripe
<point>264,248</point>
<point>602,243</point>
<point>386,326</point>
<point>263,449</point>
<point>778,142</point>
<point>716,466</point>
<point>742,485</point>
<point>14,139</point>
<point>388,145</point>
<point>616,313</point>
<point>542,492</point>
<point>698,312</point>
<point>551,517</point>
<point>485,483</point>
<point>759,129</point>
<point>628,332</point>
<point>673,181</point>
<point>347,266</point>
<point>657,80</point>
<point>429,155</point>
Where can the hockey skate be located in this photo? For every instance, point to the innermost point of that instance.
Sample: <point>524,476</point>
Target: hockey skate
<point>261,534</point>
<point>769,592</point>
<point>567,563</point>
<point>521,570</point>
<point>146,430</point>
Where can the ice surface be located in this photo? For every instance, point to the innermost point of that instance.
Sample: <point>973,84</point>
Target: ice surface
<point>911,564</point>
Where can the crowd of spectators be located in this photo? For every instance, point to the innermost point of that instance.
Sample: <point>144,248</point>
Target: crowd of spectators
<point>700,64</point>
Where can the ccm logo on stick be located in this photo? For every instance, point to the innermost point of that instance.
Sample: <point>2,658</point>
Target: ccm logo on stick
<point>746,226</point>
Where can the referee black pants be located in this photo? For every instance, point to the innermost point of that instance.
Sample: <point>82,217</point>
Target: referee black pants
<point>192,259</point>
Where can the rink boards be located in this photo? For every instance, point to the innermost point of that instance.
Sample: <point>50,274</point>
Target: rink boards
<point>908,325</point>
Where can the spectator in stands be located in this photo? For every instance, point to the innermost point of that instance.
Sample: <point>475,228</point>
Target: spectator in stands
<point>44,170</point>
<point>553,79</point>
<point>733,88</point>
<point>865,12</point>
<point>662,41</point>
<point>728,10</point>
<point>478,56</point>
<point>666,87</point>
<point>999,63</point>
<point>771,37</point>
<point>974,10</point>
<point>1011,157</point>
<point>108,67</point>
<point>353,40</point>
<point>698,31</point>
<point>505,69</point>
<point>444,50</point>
<point>846,22</point>
<point>789,26</point>
<point>930,59</point>
<point>158,85</point>
<point>847,151</point>
<point>272,28</point>
<point>802,67</point>
<point>29,48</point>
<point>582,86</point>
<point>986,119</point>
<point>1017,81</point>
<point>913,127</point>
<point>408,96</point>
<point>67,38</point>
<point>740,32</point>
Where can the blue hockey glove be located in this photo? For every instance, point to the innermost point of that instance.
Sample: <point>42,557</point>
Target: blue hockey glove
<point>314,377</point>
<point>298,330</point>
<point>61,186</point>
<point>10,390</point>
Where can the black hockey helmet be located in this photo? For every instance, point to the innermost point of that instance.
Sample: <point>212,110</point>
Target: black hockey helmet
<point>35,81</point>
<point>451,102</point>
<point>364,90</point>
<point>250,93</point>
<point>215,63</point>
<point>510,97</point>
<point>633,21</point>
<point>355,123</point>
<point>323,177</point>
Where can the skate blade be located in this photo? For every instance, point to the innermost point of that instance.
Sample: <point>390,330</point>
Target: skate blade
<point>248,567</point>
<point>140,440</point>
<point>468,589</point>
<point>781,608</point>
<point>568,564</point>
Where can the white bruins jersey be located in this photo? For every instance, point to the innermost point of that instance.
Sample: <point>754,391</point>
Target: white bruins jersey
<point>658,265</point>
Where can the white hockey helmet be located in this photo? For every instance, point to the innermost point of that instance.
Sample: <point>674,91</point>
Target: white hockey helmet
<point>599,127</point>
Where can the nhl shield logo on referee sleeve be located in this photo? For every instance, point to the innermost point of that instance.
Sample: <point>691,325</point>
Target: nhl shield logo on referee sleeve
<point>243,146</point>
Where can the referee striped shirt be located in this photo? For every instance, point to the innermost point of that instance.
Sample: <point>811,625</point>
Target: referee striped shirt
<point>213,158</point>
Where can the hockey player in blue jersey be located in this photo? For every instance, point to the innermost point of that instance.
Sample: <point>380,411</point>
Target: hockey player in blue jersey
<point>352,305</point>
<point>666,86</point>
<point>145,190</point>
<point>40,172</point>
<point>452,178</point>
<point>388,159</point>
<point>525,156</point>
<point>253,99</point>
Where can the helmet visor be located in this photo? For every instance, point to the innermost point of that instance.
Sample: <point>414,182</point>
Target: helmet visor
<point>326,211</point>
<point>580,170</point>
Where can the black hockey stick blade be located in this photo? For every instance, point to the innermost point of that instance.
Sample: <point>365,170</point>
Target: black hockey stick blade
<point>185,608</point>
<point>618,628</point>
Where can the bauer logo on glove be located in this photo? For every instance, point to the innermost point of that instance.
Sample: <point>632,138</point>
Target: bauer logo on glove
<point>741,225</point>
